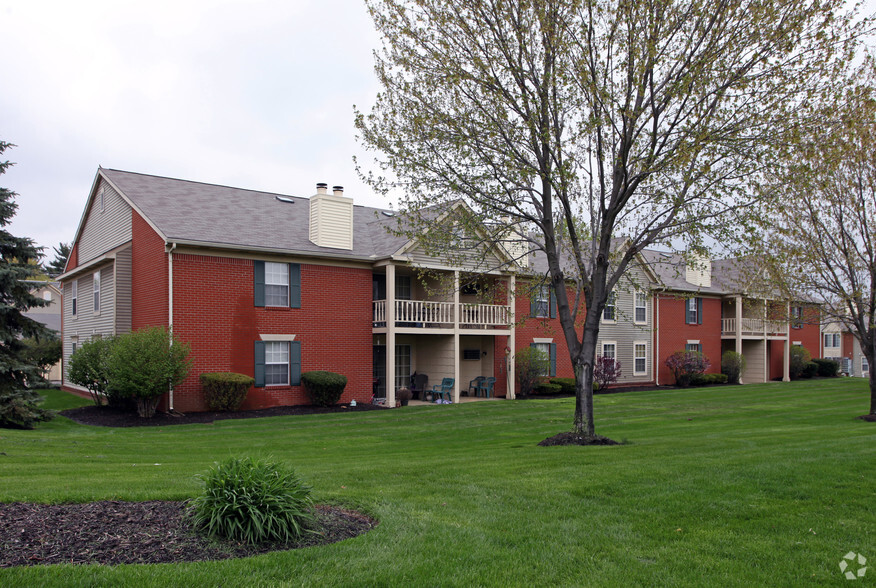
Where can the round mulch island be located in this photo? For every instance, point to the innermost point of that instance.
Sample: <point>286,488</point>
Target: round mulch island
<point>114,532</point>
<point>870,418</point>
<point>571,438</point>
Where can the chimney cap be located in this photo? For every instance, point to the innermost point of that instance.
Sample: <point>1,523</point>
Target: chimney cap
<point>321,185</point>
<point>338,188</point>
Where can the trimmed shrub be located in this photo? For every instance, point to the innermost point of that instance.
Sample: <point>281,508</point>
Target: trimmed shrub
<point>800,356</point>
<point>88,367</point>
<point>530,366</point>
<point>323,388</point>
<point>809,370</point>
<point>685,364</point>
<point>732,365</point>
<point>142,365</point>
<point>547,389</point>
<point>225,390</point>
<point>253,501</point>
<point>567,385</point>
<point>827,368</point>
<point>708,379</point>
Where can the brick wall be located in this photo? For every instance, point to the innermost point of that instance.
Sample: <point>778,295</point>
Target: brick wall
<point>540,328</point>
<point>215,314</point>
<point>149,299</point>
<point>673,333</point>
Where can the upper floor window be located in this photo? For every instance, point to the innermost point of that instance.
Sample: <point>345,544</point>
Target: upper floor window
<point>403,287</point>
<point>541,301</point>
<point>694,311</point>
<point>796,317</point>
<point>609,313</point>
<point>276,284</point>
<point>75,289</point>
<point>641,309</point>
<point>831,339</point>
<point>96,288</point>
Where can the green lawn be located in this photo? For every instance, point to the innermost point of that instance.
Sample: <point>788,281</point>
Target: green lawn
<point>730,486</point>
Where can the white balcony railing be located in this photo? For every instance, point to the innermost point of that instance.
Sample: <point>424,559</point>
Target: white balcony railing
<point>753,326</point>
<point>427,313</point>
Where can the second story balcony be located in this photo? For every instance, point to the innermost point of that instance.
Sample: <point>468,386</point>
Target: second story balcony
<point>428,314</point>
<point>754,328</point>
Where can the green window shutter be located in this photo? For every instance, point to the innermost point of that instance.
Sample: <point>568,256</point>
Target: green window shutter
<point>553,359</point>
<point>259,286</point>
<point>532,303</point>
<point>553,304</point>
<point>294,285</point>
<point>699,311</point>
<point>260,364</point>
<point>295,363</point>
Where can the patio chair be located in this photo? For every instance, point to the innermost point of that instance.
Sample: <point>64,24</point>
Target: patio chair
<point>419,385</point>
<point>445,389</point>
<point>486,387</point>
<point>474,385</point>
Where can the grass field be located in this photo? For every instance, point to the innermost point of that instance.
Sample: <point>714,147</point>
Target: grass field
<point>731,486</point>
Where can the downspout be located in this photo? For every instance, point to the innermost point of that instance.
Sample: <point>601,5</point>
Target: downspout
<point>656,338</point>
<point>170,312</point>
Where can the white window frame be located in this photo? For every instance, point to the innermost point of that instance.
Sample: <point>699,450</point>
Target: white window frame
<point>74,298</point>
<point>643,297</point>
<point>404,363</point>
<point>691,311</point>
<point>272,348</point>
<point>613,345</point>
<point>542,301</point>
<point>837,340</point>
<point>95,289</point>
<point>636,358</point>
<point>865,365</point>
<point>610,303</point>
<point>694,342</point>
<point>273,283</point>
<point>544,347</point>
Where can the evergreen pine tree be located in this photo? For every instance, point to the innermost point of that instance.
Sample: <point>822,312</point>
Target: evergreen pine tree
<point>57,265</point>
<point>18,405</point>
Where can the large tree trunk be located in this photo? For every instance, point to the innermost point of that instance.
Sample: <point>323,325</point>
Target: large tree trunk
<point>872,382</point>
<point>583,363</point>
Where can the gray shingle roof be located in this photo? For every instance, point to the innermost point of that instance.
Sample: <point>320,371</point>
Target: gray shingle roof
<point>211,214</point>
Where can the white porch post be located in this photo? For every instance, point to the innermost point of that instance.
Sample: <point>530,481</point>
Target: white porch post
<point>390,336</point>
<point>786,360</point>
<point>766,343</point>
<point>739,330</point>
<point>512,338</point>
<point>456,313</point>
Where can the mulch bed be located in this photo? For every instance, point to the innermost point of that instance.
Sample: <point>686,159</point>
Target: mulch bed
<point>576,439</point>
<point>106,416</point>
<point>113,532</point>
<point>870,418</point>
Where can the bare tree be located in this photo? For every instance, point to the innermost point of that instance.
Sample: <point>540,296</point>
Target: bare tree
<point>822,217</point>
<point>594,128</point>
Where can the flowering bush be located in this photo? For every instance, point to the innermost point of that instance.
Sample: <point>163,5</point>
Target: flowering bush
<point>605,373</point>
<point>684,364</point>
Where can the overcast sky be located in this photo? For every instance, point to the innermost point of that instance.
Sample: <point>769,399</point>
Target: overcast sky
<point>254,94</point>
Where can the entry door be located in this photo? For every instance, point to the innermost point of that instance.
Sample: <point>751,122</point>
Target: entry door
<point>402,366</point>
<point>379,371</point>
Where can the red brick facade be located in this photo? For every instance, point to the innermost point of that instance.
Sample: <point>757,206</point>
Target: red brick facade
<point>673,333</point>
<point>214,312</point>
<point>149,299</point>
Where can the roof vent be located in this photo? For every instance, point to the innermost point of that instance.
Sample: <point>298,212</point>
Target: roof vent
<point>388,213</point>
<point>284,199</point>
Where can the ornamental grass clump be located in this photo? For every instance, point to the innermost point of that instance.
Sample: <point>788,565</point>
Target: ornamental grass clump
<point>253,501</point>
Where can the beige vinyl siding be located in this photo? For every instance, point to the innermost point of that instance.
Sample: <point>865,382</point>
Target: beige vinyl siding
<point>477,260</point>
<point>754,361</point>
<point>331,221</point>
<point>105,230</point>
<point>123,291</point>
<point>86,324</point>
<point>625,332</point>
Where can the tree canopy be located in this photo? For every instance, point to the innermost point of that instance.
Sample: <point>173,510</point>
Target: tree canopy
<point>592,129</point>
<point>57,265</point>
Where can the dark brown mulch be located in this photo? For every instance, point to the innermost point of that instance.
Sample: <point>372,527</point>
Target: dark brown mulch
<point>106,416</point>
<point>113,532</point>
<point>870,418</point>
<point>576,439</point>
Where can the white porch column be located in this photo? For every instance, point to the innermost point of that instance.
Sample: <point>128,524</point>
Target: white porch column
<point>456,313</point>
<point>739,329</point>
<point>390,336</point>
<point>512,339</point>
<point>766,343</point>
<point>786,360</point>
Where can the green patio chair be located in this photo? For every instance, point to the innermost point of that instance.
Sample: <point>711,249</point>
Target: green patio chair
<point>486,387</point>
<point>445,389</point>
<point>474,385</point>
